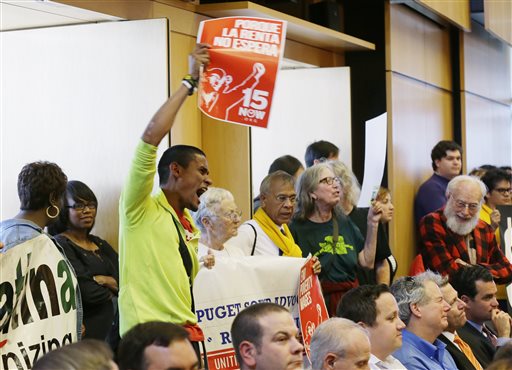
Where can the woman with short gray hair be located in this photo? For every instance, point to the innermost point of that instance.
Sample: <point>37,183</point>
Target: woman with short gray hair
<point>218,219</point>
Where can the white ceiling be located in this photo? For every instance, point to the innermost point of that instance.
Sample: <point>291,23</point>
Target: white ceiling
<point>22,14</point>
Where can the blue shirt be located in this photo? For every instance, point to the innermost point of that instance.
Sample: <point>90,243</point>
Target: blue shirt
<point>418,354</point>
<point>430,197</point>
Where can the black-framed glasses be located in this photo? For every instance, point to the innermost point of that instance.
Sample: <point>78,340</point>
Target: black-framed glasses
<point>329,180</point>
<point>503,191</point>
<point>82,206</point>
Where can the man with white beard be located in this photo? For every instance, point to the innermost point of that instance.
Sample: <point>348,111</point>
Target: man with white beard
<point>454,236</point>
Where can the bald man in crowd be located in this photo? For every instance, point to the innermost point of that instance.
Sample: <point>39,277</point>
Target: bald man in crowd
<point>340,344</point>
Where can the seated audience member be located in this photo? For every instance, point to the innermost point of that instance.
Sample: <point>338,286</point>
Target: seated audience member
<point>267,233</point>
<point>508,169</point>
<point>503,364</point>
<point>375,309</point>
<point>385,264</point>
<point>41,187</point>
<point>218,219</point>
<point>321,228</point>
<point>264,337</point>
<point>89,354</point>
<point>339,344</point>
<point>446,163</point>
<point>454,236</point>
<point>94,260</point>
<point>477,289</point>
<point>482,170</point>
<point>424,311</point>
<point>156,346</point>
<point>461,351</point>
<point>499,188</point>
<point>320,151</point>
<point>286,163</point>
<point>503,352</point>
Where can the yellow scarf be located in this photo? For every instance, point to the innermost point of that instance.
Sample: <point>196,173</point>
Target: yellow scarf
<point>284,241</point>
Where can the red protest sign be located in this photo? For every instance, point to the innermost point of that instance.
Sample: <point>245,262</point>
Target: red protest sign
<point>238,84</point>
<point>312,309</point>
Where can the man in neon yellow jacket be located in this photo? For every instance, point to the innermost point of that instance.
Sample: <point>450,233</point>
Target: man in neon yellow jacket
<point>158,239</point>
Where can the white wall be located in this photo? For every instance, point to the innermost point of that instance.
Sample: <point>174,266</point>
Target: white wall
<point>309,105</point>
<point>80,96</point>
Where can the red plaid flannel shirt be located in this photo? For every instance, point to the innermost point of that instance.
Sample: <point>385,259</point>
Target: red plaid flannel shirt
<point>440,247</point>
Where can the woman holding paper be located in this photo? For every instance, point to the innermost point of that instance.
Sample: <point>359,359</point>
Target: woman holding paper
<point>321,228</point>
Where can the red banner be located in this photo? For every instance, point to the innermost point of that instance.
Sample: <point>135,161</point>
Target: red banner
<point>245,54</point>
<point>312,309</point>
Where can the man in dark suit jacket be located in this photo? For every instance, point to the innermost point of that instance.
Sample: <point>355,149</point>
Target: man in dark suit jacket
<point>460,351</point>
<point>477,289</point>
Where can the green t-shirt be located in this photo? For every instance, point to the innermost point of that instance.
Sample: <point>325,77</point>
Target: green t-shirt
<point>317,239</point>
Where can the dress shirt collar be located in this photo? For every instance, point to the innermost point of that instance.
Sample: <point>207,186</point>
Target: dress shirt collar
<point>475,325</point>
<point>449,335</point>
<point>389,363</point>
<point>432,350</point>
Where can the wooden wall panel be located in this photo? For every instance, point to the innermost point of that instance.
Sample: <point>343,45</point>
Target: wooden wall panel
<point>498,19</point>
<point>420,110</point>
<point>187,128</point>
<point>486,122</point>
<point>135,9</point>
<point>454,11</point>
<point>420,116</point>
<point>417,47</point>
<point>227,148</point>
<point>485,65</point>
<point>485,98</point>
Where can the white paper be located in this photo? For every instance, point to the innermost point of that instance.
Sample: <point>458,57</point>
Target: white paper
<point>374,157</point>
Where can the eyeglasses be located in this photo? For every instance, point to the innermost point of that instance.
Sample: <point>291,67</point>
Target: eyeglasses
<point>503,191</point>
<point>330,180</point>
<point>233,215</point>
<point>281,198</point>
<point>81,206</point>
<point>472,207</point>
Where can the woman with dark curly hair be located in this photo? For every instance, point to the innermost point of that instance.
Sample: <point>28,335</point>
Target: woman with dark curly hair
<point>41,186</point>
<point>94,260</point>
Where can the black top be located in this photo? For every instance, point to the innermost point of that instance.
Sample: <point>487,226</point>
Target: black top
<point>98,301</point>
<point>359,216</point>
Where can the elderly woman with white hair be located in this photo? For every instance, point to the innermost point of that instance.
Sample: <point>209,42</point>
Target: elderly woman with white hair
<point>218,218</point>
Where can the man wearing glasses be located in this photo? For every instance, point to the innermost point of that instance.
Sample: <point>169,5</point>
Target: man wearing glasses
<point>454,236</point>
<point>498,183</point>
<point>267,233</point>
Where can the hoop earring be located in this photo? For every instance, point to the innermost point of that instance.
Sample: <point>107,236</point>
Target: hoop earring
<point>48,211</point>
